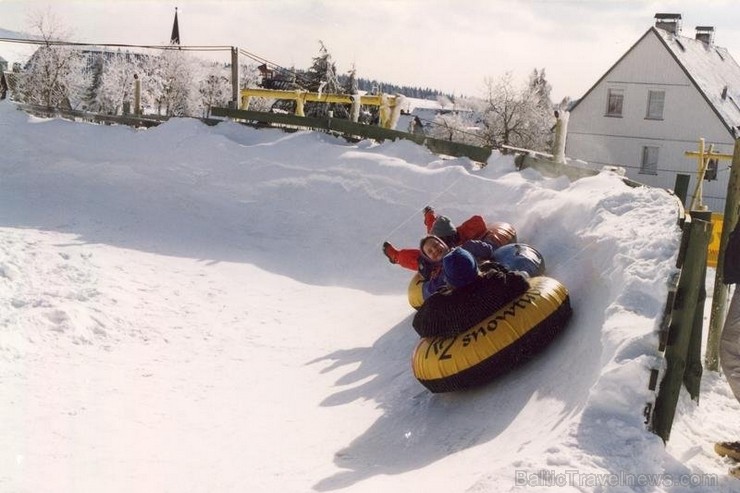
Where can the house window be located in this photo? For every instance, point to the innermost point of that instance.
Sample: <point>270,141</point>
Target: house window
<point>649,164</point>
<point>711,172</point>
<point>656,101</point>
<point>614,100</point>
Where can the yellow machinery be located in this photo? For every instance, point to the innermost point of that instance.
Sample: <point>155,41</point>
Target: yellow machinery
<point>388,104</point>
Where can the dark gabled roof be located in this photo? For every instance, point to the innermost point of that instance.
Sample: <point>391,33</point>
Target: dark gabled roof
<point>710,68</point>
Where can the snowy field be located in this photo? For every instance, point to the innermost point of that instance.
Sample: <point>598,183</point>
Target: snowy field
<point>207,309</point>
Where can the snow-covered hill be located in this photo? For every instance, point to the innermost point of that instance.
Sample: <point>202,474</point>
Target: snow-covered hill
<point>15,52</point>
<point>193,308</point>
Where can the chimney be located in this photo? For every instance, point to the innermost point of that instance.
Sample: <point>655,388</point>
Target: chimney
<point>668,22</point>
<point>705,34</point>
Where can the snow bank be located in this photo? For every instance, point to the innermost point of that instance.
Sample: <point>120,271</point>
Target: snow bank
<point>194,308</point>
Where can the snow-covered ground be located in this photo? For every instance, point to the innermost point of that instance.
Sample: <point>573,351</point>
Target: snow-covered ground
<point>193,308</point>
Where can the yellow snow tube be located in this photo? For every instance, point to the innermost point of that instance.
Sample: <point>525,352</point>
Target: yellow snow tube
<point>495,345</point>
<point>416,297</point>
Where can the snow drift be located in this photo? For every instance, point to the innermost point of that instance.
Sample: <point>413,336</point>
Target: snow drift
<point>194,308</point>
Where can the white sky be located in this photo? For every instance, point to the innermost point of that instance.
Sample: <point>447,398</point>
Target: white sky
<point>443,44</point>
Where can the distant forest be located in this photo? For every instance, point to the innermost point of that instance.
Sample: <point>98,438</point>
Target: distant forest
<point>323,74</point>
<point>373,86</point>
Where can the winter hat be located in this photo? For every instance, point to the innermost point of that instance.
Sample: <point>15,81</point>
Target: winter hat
<point>443,227</point>
<point>460,268</point>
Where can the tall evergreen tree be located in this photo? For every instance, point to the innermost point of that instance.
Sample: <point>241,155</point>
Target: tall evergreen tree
<point>90,100</point>
<point>322,78</point>
<point>540,88</point>
<point>351,84</point>
<point>322,75</point>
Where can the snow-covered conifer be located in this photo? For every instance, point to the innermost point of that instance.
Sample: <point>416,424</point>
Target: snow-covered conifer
<point>214,88</point>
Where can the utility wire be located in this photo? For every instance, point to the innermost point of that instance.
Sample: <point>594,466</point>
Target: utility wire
<point>201,48</point>
<point>265,61</point>
<point>115,45</point>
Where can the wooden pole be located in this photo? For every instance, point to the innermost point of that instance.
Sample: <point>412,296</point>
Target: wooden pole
<point>234,77</point>
<point>697,197</point>
<point>719,296</point>
<point>561,132</point>
<point>137,95</point>
<point>702,156</point>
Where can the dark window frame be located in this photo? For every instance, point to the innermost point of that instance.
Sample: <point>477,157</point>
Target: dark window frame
<point>614,103</point>
<point>650,157</point>
<point>655,103</point>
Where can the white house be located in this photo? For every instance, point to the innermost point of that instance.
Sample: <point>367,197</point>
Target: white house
<point>664,94</point>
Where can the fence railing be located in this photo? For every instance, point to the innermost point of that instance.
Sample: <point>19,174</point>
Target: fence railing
<point>130,120</point>
<point>359,130</point>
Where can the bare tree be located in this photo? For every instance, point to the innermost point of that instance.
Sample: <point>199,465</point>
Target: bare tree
<point>56,75</point>
<point>170,82</point>
<point>459,121</point>
<point>115,83</point>
<point>457,126</point>
<point>515,117</point>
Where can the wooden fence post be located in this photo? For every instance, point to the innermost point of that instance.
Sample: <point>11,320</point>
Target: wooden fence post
<point>137,95</point>
<point>682,324</point>
<point>719,296</point>
<point>694,370</point>
<point>681,188</point>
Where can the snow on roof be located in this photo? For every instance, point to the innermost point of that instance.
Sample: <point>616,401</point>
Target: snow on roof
<point>412,104</point>
<point>5,33</point>
<point>713,70</point>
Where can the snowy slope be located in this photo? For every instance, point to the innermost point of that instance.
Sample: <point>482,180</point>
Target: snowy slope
<point>193,308</point>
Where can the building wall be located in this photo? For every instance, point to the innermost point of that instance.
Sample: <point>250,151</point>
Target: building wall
<point>687,117</point>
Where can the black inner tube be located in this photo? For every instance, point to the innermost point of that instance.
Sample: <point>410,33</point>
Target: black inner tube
<point>447,314</point>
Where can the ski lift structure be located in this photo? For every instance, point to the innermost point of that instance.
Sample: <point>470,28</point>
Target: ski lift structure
<point>389,105</point>
<point>281,84</point>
